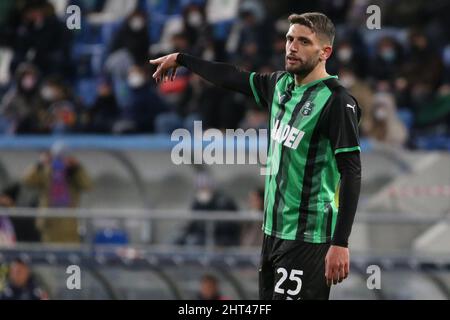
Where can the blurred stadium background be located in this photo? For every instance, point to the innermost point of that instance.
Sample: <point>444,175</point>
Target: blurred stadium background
<point>85,170</point>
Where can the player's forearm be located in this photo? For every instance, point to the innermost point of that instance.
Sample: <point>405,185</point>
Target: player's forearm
<point>349,165</point>
<point>221,74</point>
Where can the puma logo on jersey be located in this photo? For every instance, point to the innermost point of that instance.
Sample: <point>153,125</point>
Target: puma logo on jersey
<point>289,136</point>
<point>351,107</point>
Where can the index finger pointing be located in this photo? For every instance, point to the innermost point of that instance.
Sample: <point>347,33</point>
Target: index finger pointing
<point>156,61</point>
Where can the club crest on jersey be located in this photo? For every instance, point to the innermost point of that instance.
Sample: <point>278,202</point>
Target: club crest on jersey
<point>307,108</point>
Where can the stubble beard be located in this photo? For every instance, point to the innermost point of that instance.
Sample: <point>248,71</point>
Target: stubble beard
<point>303,69</point>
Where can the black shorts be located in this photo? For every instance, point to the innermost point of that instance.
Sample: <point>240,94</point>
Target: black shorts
<point>292,270</point>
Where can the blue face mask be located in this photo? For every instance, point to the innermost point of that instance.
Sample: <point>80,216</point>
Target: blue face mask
<point>388,55</point>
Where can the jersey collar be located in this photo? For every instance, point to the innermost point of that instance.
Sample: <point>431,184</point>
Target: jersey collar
<point>309,84</point>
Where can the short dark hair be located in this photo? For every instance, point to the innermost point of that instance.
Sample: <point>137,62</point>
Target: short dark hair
<point>317,22</point>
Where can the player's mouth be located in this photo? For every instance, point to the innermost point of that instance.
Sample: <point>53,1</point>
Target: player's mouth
<point>292,60</point>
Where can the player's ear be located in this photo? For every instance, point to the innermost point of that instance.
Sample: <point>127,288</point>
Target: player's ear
<point>326,52</point>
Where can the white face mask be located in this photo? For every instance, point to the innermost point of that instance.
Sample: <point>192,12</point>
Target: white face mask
<point>48,93</point>
<point>135,79</point>
<point>136,23</point>
<point>380,114</point>
<point>195,19</point>
<point>345,54</point>
<point>347,81</point>
<point>208,54</point>
<point>203,196</point>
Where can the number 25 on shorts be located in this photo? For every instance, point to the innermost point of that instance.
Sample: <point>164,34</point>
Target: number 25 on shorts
<point>294,276</point>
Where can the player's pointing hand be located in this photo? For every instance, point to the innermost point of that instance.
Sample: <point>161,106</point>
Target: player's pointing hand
<point>166,67</point>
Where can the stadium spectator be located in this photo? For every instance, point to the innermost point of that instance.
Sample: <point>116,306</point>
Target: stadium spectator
<point>22,104</point>
<point>62,113</point>
<point>433,117</point>
<point>210,288</point>
<point>184,97</point>
<point>60,180</point>
<point>218,108</point>
<point>208,198</point>
<point>21,284</point>
<point>133,36</point>
<point>105,112</point>
<point>388,56</point>
<point>408,62</point>
<point>385,124</point>
<point>246,42</point>
<point>349,55</point>
<point>144,106</point>
<point>42,39</point>
<point>24,227</point>
<point>422,68</point>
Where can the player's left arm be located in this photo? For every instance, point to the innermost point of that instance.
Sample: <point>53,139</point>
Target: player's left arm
<point>342,119</point>
<point>337,261</point>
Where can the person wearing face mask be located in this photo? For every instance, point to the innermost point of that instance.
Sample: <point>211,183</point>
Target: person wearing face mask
<point>196,28</point>
<point>209,198</point>
<point>133,36</point>
<point>387,128</point>
<point>350,55</point>
<point>386,62</point>
<point>21,104</point>
<point>144,104</point>
<point>61,113</point>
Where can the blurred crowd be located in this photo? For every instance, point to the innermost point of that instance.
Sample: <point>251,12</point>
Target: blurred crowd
<point>56,180</point>
<point>97,79</point>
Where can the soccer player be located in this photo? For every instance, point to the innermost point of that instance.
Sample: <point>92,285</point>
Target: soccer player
<point>314,146</point>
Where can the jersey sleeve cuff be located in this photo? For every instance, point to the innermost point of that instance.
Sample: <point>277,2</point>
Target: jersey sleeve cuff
<point>350,149</point>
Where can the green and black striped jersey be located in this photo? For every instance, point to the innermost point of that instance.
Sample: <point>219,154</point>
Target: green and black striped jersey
<point>309,125</point>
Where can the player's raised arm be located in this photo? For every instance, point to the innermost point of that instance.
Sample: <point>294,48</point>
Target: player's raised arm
<point>221,74</point>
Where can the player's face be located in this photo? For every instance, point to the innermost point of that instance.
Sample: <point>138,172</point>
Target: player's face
<point>304,50</point>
